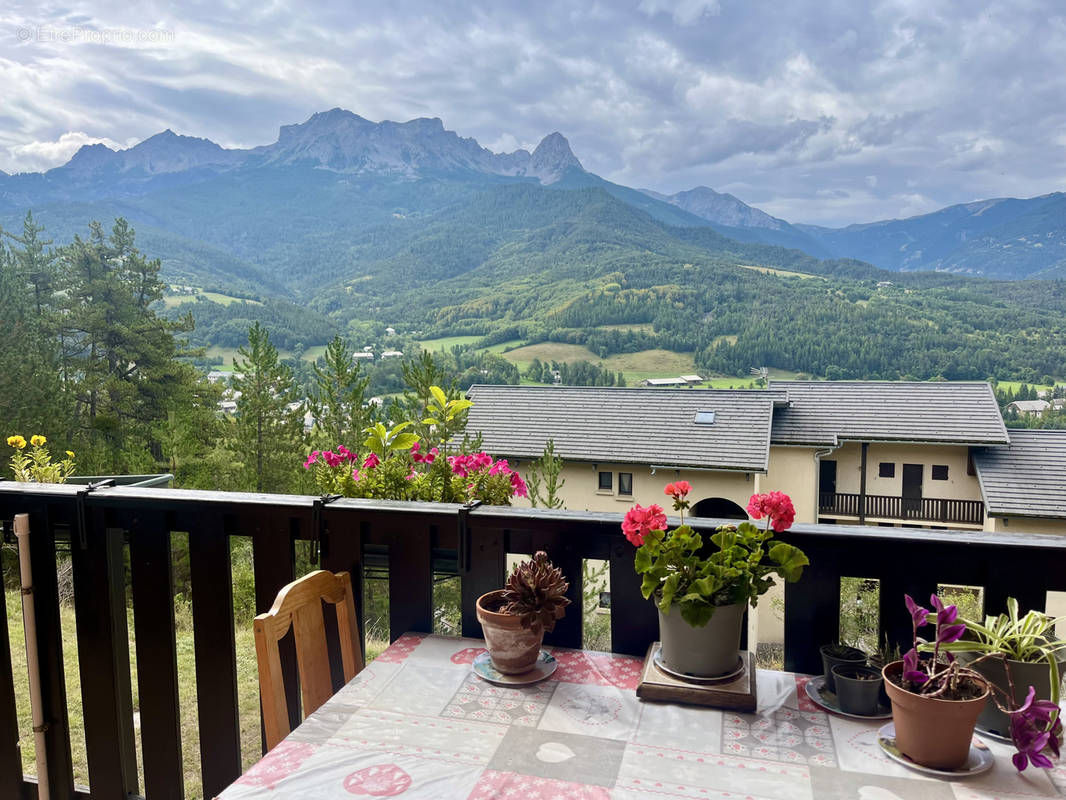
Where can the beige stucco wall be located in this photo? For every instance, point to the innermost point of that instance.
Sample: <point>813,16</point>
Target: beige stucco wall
<point>958,486</point>
<point>1025,525</point>
<point>793,471</point>
<point>581,480</point>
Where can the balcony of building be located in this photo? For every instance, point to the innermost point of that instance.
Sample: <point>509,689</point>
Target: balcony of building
<point>878,508</point>
<point>118,543</point>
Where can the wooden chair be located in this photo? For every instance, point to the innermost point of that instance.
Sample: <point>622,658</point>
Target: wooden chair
<point>299,606</point>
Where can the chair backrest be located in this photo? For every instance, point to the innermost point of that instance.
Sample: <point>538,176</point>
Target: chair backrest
<point>299,606</point>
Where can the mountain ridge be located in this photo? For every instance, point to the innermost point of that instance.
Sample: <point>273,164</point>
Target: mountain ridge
<point>1006,238</point>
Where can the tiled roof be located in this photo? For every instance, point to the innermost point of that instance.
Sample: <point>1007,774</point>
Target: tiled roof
<point>828,412</point>
<point>1027,479</point>
<point>642,426</point>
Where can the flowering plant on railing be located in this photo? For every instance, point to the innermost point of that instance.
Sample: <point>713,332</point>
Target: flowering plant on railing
<point>396,468</point>
<point>1035,725</point>
<point>36,464</point>
<point>739,570</point>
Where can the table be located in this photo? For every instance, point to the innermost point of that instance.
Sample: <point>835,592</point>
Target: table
<point>416,723</point>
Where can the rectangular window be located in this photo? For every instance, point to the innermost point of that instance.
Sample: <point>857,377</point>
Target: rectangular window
<point>606,481</point>
<point>940,472</point>
<point>625,483</point>
<point>886,469</point>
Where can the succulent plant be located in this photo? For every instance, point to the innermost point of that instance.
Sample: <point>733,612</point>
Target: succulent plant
<point>536,592</point>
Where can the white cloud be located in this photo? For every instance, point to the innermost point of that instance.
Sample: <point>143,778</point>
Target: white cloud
<point>953,101</point>
<point>40,156</point>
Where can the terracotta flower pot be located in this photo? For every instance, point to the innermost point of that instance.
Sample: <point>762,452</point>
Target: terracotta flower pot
<point>930,731</point>
<point>705,652</point>
<point>512,648</point>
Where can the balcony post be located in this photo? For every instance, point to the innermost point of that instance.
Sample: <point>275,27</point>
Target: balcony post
<point>862,485</point>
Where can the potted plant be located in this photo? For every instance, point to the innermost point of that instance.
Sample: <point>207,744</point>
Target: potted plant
<point>515,618</point>
<point>858,688</point>
<point>935,700</point>
<point>839,655</point>
<point>702,598</point>
<point>1013,652</point>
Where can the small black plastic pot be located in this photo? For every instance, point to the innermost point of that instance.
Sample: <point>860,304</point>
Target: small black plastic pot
<point>858,689</point>
<point>838,654</point>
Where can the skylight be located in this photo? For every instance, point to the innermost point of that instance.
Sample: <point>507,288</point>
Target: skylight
<point>704,418</point>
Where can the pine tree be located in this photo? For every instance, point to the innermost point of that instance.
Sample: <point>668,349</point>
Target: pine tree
<point>338,398</point>
<point>117,356</point>
<point>268,438</point>
<point>30,391</point>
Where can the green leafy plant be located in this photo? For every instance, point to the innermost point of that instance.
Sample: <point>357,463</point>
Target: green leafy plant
<point>381,440</point>
<point>740,570</point>
<point>1028,638</point>
<point>36,465</point>
<point>545,480</point>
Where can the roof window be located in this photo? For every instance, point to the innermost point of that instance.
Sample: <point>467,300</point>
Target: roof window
<point>704,418</point>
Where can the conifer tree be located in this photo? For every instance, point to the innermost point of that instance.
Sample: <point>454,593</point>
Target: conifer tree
<point>338,397</point>
<point>118,358</point>
<point>268,438</point>
<point>31,394</point>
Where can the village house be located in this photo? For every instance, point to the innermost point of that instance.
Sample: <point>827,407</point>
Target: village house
<point>1029,407</point>
<point>861,452</point>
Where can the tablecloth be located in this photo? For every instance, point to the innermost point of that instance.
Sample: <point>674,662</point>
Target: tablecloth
<point>417,723</point>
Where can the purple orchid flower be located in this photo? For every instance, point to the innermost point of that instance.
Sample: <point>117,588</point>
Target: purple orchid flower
<point>919,615</point>
<point>945,615</point>
<point>946,628</point>
<point>910,668</point>
<point>1032,731</point>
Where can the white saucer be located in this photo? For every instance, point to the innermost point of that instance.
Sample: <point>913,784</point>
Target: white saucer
<point>980,760</point>
<point>545,666</point>
<point>684,676</point>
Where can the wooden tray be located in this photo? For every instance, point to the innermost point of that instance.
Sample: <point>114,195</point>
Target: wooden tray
<point>737,694</point>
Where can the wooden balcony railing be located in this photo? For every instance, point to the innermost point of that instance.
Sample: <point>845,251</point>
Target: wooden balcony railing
<point>406,541</point>
<point>922,509</point>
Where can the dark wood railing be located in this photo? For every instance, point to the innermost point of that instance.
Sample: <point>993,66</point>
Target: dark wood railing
<point>923,509</point>
<point>406,541</point>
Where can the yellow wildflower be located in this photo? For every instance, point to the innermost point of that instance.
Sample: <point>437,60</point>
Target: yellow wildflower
<point>17,442</point>
<point>70,454</point>
<point>37,440</point>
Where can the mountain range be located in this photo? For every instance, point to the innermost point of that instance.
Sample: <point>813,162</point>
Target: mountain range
<point>1002,238</point>
<point>344,224</point>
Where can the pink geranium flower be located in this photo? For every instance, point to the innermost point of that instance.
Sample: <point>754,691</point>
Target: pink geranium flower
<point>371,461</point>
<point>640,521</point>
<point>776,507</point>
<point>519,485</point>
<point>678,490</point>
<point>311,459</point>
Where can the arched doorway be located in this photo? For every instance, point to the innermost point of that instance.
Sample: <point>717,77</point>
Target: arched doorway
<point>718,508</point>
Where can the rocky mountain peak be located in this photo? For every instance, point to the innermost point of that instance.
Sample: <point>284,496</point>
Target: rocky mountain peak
<point>552,158</point>
<point>725,209</point>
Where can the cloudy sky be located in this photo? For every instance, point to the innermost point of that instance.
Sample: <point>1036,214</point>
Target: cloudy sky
<point>825,111</point>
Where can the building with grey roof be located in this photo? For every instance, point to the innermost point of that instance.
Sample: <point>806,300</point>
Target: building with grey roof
<point>829,412</point>
<point>854,451</point>
<point>720,430</point>
<point>1024,484</point>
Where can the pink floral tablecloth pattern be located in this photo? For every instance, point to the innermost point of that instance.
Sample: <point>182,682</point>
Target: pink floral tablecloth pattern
<point>417,723</point>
